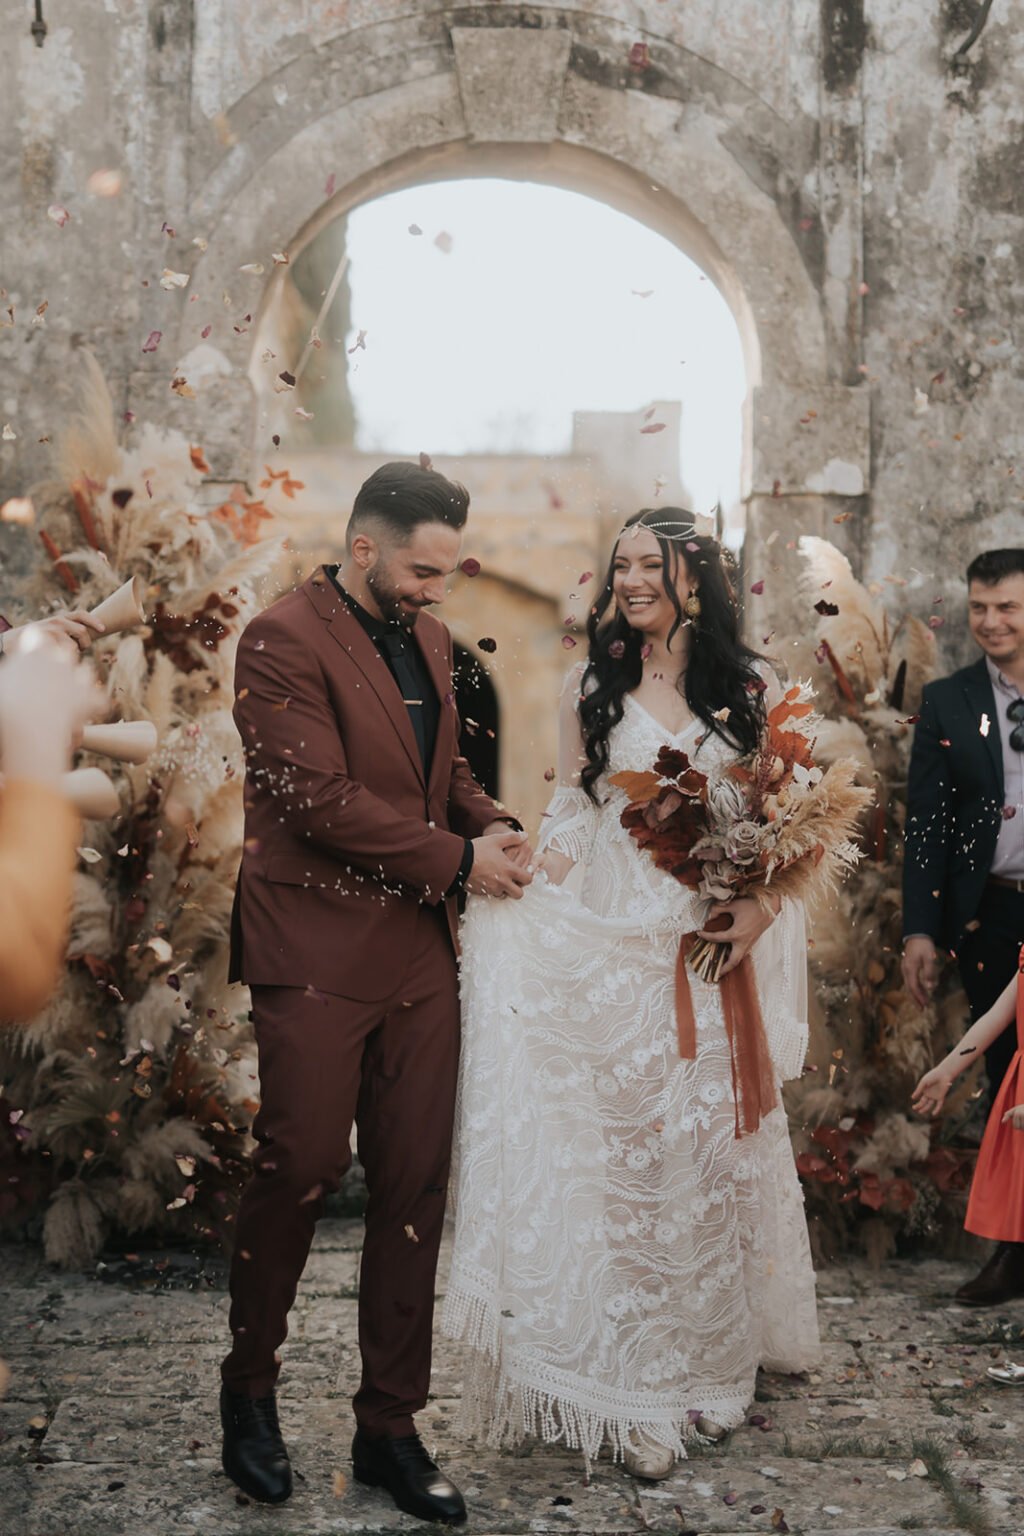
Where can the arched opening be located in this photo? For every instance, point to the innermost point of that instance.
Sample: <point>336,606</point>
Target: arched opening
<point>545,338</point>
<point>508,316</point>
<point>479,711</point>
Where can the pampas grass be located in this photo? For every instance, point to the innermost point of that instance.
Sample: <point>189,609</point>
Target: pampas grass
<point>144,1054</point>
<point>873,1175</point>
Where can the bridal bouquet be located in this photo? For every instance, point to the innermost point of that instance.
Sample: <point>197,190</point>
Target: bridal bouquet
<point>774,823</point>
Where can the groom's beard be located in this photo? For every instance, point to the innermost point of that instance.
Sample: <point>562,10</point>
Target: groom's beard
<point>390,606</point>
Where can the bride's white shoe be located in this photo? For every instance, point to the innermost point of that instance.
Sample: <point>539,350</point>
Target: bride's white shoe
<point>643,1458</point>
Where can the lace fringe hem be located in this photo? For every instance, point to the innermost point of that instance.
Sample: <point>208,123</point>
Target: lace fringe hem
<point>502,1410</point>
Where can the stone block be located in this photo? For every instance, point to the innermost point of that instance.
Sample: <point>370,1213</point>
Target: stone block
<point>511,82</point>
<point>814,439</point>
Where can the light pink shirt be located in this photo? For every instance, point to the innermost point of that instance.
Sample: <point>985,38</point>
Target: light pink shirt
<point>1008,860</point>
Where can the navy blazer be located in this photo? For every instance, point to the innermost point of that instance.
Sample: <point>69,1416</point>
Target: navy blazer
<point>955,794</point>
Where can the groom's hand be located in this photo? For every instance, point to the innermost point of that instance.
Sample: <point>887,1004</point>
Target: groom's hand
<point>522,853</point>
<point>496,870</point>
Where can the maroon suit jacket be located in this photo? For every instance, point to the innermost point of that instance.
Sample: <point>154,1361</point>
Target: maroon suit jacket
<point>344,836</point>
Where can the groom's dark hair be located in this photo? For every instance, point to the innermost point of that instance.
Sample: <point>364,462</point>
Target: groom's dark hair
<point>399,496</point>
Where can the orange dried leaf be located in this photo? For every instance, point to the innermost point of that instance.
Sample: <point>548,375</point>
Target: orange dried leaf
<point>640,787</point>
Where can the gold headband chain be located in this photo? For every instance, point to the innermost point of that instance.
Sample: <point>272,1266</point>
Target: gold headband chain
<point>689,531</point>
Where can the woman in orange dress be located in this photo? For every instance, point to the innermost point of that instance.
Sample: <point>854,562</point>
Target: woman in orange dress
<point>996,1206</point>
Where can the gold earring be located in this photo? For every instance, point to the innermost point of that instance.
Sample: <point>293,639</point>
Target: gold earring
<point>692,606</point>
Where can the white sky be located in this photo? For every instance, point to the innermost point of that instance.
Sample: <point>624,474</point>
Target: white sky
<point>530,316</point>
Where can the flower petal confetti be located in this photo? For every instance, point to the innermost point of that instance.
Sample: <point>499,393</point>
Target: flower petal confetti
<point>487,644</point>
<point>105,183</point>
<point>757,587</point>
<point>58,213</point>
<point>152,341</point>
<point>617,649</point>
<point>171,280</point>
<point>470,566</point>
<point>18,509</point>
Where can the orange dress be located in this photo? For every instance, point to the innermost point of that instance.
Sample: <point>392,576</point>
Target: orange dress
<point>996,1206</point>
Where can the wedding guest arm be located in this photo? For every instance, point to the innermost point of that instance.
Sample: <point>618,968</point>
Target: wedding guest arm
<point>930,1094</point>
<point>75,630</point>
<point>43,700</point>
<point>925,865</point>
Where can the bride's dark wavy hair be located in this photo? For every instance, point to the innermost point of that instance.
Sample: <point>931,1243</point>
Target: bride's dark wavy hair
<point>719,669</point>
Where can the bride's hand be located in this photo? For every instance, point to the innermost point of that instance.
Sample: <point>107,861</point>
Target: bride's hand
<point>748,921</point>
<point>553,864</point>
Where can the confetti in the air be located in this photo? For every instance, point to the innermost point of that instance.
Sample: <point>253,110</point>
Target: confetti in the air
<point>106,183</point>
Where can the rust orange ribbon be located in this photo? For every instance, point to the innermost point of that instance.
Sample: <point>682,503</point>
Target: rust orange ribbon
<point>753,1076</point>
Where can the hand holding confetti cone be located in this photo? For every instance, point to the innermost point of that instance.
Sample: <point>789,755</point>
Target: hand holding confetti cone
<point>91,793</point>
<point>129,741</point>
<point>123,608</point>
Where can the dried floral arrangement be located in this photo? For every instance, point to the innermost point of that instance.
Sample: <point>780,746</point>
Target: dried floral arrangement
<point>874,1175</point>
<point>776,824</point>
<point>126,1102</point>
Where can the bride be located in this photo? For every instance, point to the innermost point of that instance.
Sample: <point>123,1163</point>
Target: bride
<point>624,1261</point>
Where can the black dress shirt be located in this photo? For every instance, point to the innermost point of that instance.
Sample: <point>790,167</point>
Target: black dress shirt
<point>404,660</point>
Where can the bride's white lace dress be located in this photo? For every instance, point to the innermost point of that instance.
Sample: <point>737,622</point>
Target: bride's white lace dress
<point>622,1261</point>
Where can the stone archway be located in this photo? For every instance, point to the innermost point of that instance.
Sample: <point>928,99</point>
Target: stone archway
<point>419,99</point>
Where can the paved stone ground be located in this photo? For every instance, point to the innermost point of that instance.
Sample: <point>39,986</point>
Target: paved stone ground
<point>109,1426</point>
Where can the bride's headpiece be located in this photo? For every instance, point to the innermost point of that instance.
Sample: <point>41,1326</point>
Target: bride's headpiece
<point>675,528</point>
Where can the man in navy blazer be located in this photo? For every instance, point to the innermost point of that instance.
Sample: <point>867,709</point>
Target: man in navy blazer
<point>963,874</point>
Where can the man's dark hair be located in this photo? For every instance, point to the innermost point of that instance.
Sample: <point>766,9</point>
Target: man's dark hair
<point>995,565</point>
<point>400,496</point>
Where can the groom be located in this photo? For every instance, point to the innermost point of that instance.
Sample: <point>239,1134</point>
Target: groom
<point>362,824</point>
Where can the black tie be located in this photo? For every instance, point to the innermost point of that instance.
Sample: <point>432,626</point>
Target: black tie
<point>396,646</point>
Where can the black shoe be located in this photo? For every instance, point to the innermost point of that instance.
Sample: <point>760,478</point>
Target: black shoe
<point>1001,1279</point>
<point>403,1467</point>
<point>254,1455</point>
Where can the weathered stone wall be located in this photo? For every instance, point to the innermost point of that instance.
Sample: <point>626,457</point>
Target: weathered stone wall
<point>852,185</point>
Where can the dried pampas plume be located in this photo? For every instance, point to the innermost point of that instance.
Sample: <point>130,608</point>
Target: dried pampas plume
<point>873,1175</point>
<point>128,1066</point>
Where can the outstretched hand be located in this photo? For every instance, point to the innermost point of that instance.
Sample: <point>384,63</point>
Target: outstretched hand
<point>73,631</point>
<point>1015,1117</point>
<point>930,1094</point>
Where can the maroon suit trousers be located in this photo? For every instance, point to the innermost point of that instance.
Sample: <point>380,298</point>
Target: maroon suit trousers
<point>392,1067</point>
